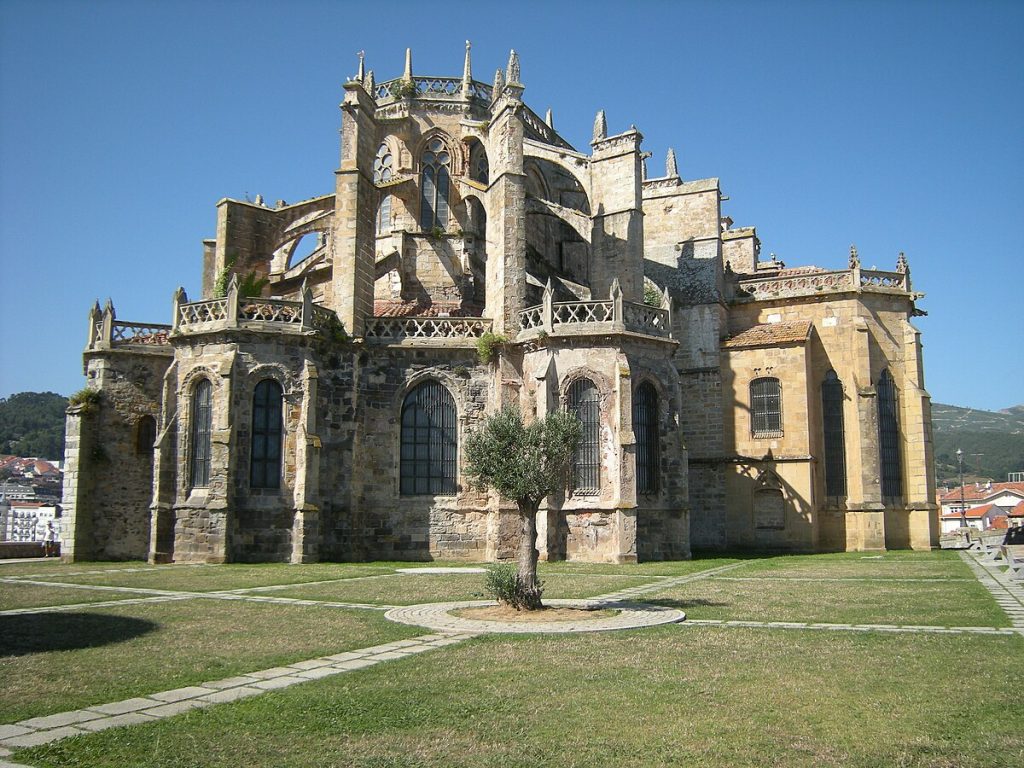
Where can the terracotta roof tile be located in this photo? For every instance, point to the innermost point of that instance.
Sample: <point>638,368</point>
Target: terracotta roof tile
<point>974,513</point>
<point>398,308</point>
<point>770,333</point>
<point>974,493</point>
<point>1018,511</point>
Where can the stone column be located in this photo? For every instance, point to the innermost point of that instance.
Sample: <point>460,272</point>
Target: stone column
<point>625,479</point>
<point>617,240</point>
<point>918,447</point>
<point>865,528</point>
<point>76,523</point>
<point>306,526</point>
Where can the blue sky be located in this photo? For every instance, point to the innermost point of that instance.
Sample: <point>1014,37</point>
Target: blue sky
<point>895,126</point>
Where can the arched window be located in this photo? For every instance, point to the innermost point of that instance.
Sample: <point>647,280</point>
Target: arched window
<point>434,185</point>
<point>429,450</point>
<point>202,421</point>
<point>835,439</point>
<point>383,165</point>
<point>384,215</point>
<point>479,168</point>
<point>766,407</point>
<point>889,436</point>
<point>145,436</point>
<point>648,442</point>
<point>265,456</point>
<point>585,403</point>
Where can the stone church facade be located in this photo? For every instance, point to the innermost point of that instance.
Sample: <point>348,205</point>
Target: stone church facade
<point>312,403</point>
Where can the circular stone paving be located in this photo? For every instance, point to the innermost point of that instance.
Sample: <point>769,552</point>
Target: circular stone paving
<point>438,616</point>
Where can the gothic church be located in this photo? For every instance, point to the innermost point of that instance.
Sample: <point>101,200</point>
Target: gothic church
<point>311,404</point>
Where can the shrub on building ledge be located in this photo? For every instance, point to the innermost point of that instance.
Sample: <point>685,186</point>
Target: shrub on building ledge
<point>86,399</point>
<point>489,345</point>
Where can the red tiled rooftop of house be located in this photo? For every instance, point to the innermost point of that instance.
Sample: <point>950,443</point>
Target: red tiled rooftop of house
<point>770,333</point>
<point>974,493</point>
<point>398,308</point>
<point>1018,511</point>
<point>974,513</point>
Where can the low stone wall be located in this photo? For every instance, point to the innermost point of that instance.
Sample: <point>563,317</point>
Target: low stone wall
<point>14,549</point>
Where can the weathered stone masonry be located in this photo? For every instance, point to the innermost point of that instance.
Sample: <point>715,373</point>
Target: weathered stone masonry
<point>336,342</point>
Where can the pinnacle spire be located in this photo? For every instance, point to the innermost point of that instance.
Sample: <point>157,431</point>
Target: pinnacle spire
<point>549,119</point>
<point>513,67</point>
<point>902,265</point>
<point>499,84</point>
<point>467,67</point>
<point>361,74</point>
<point>370,84</point>
<point>671,168</point>
<point>600,126</point>
<point>407,75</point>
<point>854,258</point>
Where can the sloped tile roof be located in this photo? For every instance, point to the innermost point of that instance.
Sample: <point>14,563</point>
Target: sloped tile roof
<point>974,493</point>
<point>1018,511</point>
<point>398,308</point>
<point>974,513</point>
<point>770,333</point>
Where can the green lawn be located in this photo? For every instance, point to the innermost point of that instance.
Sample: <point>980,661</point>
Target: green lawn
<point>226,577</point>
<point>34,596</point>
<point>61,661</point>
<point>950,603</point>
<point>406,589</point>
<point>47,567</point>
<point>860,565</point>
<point>667,696</point>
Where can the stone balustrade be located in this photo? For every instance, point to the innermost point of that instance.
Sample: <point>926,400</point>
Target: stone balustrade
<point>813,283</point>
<point>389,330</point>
<point>614,315</point>
<point>108,332</point>
<point>431,87</point>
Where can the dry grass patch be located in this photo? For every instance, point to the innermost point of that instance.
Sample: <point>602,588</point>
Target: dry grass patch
<point>547,613</point>
<point>855,602</point>
<point>889,565</point>
<point>35,596</point>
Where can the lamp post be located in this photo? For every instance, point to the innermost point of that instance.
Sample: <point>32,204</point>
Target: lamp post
<point>963,506</point>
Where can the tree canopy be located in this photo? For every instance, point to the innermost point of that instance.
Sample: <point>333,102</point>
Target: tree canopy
<point>32,424</point>
<point>523,462</point>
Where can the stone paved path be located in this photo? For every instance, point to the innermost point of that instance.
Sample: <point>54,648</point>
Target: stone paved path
<point>1006,591</point>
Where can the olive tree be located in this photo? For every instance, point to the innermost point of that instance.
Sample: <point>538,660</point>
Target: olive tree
<point>524,463</point>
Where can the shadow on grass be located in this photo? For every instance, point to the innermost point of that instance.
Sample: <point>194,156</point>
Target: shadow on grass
<point>43,632</point>
<point>698,602</point>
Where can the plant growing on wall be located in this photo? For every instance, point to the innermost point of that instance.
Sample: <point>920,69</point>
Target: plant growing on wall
<point>489,345</point>
<point>88,399</point>
<point>524,463</point>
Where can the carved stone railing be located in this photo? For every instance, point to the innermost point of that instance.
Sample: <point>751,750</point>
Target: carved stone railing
<point>107,332</point>
<point>614,315</point>
<point>814,283</point>
<point>432,87</point>
<point>871,278</point>
<point>201,312</point>
<point>541,131</point>
<point>399,329</point>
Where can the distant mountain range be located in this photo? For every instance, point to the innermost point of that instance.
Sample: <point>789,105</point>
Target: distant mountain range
<point>992,442</point>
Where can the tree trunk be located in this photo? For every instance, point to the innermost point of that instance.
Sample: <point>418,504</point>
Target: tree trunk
<point>526,559</point>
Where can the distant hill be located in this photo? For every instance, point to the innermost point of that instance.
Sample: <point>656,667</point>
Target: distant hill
<point>32,424</point>
<point>992,442</point>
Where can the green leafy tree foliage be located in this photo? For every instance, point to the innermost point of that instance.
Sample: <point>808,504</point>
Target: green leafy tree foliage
<point>32,424</point>
<point>525,463</point>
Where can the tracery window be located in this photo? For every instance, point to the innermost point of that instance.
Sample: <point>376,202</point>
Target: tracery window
<point>584,401</point>
<point>434,185</point>
<point>265,457</point>
<point>429,441</point>
<point>202,421</point>
<point>766,407</point>
<point>479,168</point>
<point>889,436</point>
<point>835,439</point>
<point>383,165</point>
<point>648,443</point>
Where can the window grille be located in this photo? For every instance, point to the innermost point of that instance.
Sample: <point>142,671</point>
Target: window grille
<point>265,461</point>
<point>202,420</point>
<point>584,402</point>
<point>766,407</point>
<point>146,436</point>
<point>436,165</point>
<point>835,439</point>
<point>429,448</point>
<point>384,215</point>
<point>889,436</point>
<point>648,442</point>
